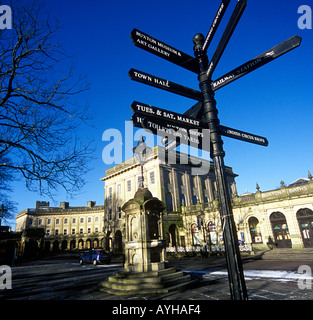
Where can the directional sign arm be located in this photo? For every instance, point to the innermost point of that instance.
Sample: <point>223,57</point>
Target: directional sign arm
<point>218,18</point>
<point>244,136</point>
<point>163,50</point>
<point>164,84</point>
<point>166,115</point>
<point>186,134</point>
<point>234,19</point>
<point>257,62</point>
<point>195,112</point>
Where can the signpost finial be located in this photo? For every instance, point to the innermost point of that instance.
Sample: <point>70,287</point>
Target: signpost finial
<point>198,41</point>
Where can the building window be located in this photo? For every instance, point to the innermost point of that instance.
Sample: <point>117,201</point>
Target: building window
<point>182,199</point>
<point>74,220</point>
<point>110,214</point>
<point>40,221</point>
<point>96,219</point>
<point>81,230</point>
<point>96,229</point>
<point>89,219</point>
<point>139,180</point>
<point>255,230</point>
<point>173,232</point>
<point>65,232</point>
<point>119,210</point>
<point>195,191</point>
<point>152,177</point>
<point>48,232</point>
<point>65,220</point>
<point>205,191</point>
<point>81,220</point>
<point>57,221</point>
<point>73,231</point>
<point>195,234</point>
<point>56,232</point>
<point>182,241</point>
<point>194,198</point>
<point>280,230</point>
<point>89,230</point>
<point>169,202</point>
<point>110,196</point>
<point>119,191</point>
<point>129,186</point>
<point>49,221</point>
<point>168,174</point>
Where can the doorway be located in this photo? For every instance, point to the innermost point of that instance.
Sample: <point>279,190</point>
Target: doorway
<point>173,232</point>
<point>280,230</point>
<point>305,220</point>
<point>118,248</point>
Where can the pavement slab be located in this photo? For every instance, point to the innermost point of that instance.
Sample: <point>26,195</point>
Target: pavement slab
<point>52,279</point>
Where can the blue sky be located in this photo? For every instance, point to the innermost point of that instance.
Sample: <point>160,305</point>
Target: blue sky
<point>274,101</point>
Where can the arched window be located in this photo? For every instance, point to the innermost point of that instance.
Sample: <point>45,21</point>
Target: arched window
<point>304,213</point>
<point>173,235</point>
<point>195,234</point>
<point>212,233</point>
<point>305,220</point>
<point>280,230</point>
<point>255,230</point>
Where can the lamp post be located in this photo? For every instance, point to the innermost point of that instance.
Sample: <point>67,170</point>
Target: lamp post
<point>141,152</point>
<point>2,213</point>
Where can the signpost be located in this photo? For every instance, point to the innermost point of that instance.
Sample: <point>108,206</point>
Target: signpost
<point>176,121</point>
<point>166,115</point>
<point>231,26</point>
<point>163,84</point>
<point>244,136</point>
<point>204,115</point>
<point>218,18</point>
<point>257,62</point>
<point>163,50</point>
<point>172,130</point>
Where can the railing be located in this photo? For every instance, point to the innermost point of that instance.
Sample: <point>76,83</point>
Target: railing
<point>214,249</point>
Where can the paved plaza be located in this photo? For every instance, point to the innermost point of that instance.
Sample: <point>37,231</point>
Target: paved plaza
<point>62,278</point>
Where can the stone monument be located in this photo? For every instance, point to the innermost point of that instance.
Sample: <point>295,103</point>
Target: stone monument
<point>145,269</point>
<point>144,244</point>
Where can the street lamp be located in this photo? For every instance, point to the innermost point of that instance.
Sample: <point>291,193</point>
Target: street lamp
<point>2,213</point>
<point>141,152</point>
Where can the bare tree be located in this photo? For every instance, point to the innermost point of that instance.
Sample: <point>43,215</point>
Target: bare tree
<point>38,118</point>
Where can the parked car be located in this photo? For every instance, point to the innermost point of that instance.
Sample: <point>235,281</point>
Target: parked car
<point>95,256</point>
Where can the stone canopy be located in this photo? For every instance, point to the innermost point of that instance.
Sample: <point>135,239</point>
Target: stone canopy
<point>144,199</point>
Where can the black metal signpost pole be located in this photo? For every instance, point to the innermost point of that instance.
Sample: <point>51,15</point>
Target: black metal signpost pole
<point>148,117</point>
<point>235,271</point>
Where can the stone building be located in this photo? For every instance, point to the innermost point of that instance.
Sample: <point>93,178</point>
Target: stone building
<point>173,181</point>
<point>281,218</point>
<point>64,227</point>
